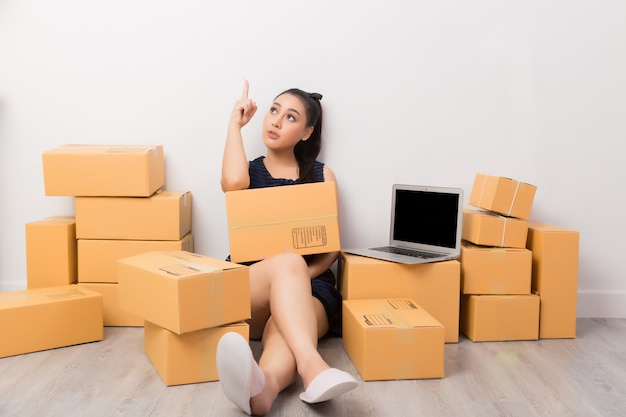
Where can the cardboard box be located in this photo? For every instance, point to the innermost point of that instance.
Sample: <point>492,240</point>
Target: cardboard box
<point>435,286</point>
<point>555,278</point>
<point>488,229</point>
<point>502,195</point>
<point>188,358</point>
<point>393,339</point>
<point>489,270</point>
<point>264,222</point>
<point>497,318</point>
<point>48,318</point>
<point>104,170</point>
<point>97,258</point>
<point>51,252</point>
<point>183,291</point>
<point>112,314</point>
<point>163,216</point>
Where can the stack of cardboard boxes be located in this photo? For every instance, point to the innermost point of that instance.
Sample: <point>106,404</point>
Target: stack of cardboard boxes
<point>121,209</point>
<point>397,318</point>
<point>497,302</point>
<point>188,301</point>
<point>510,280</point>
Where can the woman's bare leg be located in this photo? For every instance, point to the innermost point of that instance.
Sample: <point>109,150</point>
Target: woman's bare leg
<point>283,283</point>
<point>278,363</point>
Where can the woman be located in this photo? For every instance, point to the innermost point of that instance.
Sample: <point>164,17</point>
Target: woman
<point>294,299</point>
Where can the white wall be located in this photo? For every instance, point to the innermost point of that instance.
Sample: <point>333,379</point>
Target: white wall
<point>415,92</point>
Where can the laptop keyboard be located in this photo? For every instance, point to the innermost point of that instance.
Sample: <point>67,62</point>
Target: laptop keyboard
<point>408,252</point>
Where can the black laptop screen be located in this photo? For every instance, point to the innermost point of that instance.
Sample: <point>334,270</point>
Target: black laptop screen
<point>425,217</point>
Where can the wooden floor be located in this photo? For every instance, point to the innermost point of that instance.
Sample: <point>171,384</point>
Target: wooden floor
<point>578,377</point>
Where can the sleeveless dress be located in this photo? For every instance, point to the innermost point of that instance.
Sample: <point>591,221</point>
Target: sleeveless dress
<point>324,287</point>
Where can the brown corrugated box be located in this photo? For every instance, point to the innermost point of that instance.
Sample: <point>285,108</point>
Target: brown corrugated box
<point>104,170</point>
<point>302,218</point>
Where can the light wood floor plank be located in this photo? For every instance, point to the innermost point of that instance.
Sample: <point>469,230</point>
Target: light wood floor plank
<point>582,377</point>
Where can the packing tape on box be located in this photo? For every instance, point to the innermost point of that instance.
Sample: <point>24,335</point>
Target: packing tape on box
<point>480,196</point>
<point>215,306</point>
<point>514,197</point>
<point>404,370</point>
<point>503,230</point>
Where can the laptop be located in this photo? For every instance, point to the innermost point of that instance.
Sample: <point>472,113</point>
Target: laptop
<point>425,226</point>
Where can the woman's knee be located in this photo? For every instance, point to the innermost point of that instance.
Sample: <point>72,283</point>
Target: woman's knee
<point>291,262</point>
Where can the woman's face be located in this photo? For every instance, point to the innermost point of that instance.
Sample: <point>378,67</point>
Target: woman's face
<point>285,123</point>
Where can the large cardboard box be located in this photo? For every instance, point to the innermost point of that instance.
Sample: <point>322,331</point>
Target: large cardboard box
<point>393,339</point>
<point>163,216</point>
<point>264,222</point>
<point>555,278</point>
<point>489,229</point>
<point>188,358</point>
<point>48,318</point>
<point>502,195</point>
<point>51,252</point>
<point>97,258</point>
<point>489,270</point>
<point>112,314</point>
<point>491,318</point>
<point>435,286</point>
<point>183,291</point>
<point>104,170</point>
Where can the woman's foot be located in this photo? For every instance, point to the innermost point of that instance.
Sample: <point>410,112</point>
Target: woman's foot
<point>327,385</point>
<point>240,376</point>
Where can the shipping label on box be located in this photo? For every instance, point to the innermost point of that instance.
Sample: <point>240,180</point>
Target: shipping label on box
<point>489,270</point>
<point>97,258</point>
<point>188,358</point>
<point>51,252</point>
<point>391,339</point>
<point>498,318</point>
<point>264,222</point>
<point>502,195</point>
<point>47,318</point>
<point>489,229</point>
<point>435,286</point>
<point>183,291</point>
<point>163,216</point>
<point>555,278</point>
<point>104,170</point>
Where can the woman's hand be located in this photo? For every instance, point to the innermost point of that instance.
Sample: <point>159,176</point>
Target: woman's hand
<point>244,108</point>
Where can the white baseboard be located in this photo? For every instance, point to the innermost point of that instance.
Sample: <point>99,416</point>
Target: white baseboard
<point>590,303</point>
<point>601,304</point>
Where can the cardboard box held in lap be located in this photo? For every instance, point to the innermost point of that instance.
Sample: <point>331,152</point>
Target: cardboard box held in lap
<point>263,222</point>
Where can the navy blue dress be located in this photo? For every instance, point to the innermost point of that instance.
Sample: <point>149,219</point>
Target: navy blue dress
<point>324,287</point>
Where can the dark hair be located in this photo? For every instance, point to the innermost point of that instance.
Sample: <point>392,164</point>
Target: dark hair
<point>306,151</point>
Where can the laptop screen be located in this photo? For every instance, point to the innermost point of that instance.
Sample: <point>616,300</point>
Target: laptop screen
<point>426,217</point>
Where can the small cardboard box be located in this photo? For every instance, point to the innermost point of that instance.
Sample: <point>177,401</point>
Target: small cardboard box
<point>97,258</point>
<point>393,339</point>
<point>188,358</point>
<point>502,195</point>
<point>497,318</point>
<point>104,170</point>
<point>183,291</point>
<point>112,314</point>
<point>163,216</point>
<point>488,229</point>
<point>48,318</point>
<point>51,252</point>
<point>435,286</point>
<point>555,278</point>
<point>265,221</point>
<point>489,270</point>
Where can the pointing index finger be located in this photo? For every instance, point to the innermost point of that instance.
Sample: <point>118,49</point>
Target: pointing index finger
<point>246,87</point>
